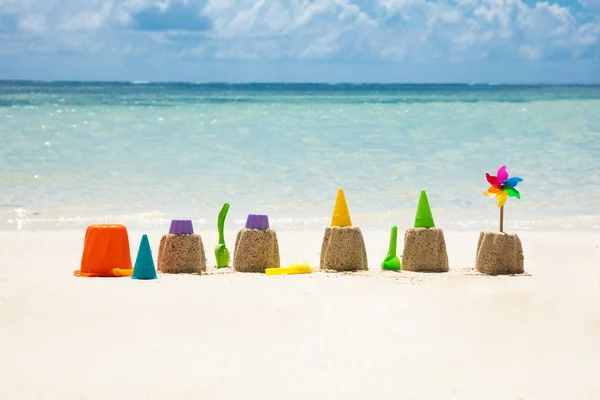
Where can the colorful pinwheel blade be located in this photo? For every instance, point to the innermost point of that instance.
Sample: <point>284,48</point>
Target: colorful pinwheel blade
<point>502,196</point>
<point>492,180</point>
<point>512,192</point>
<point>491,192</point>
<point>502,175</point>
<point>512,182</point>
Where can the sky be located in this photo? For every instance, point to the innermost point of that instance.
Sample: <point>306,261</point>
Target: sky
<point>471,41</point>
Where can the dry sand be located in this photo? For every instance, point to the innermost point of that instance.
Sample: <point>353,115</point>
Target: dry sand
<point>364,335</point>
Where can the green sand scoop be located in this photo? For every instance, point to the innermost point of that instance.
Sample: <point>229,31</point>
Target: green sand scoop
<point>221,252</point>
<point>392,262</point>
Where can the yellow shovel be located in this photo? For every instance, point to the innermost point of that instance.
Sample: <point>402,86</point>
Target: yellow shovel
<point>295,268</point>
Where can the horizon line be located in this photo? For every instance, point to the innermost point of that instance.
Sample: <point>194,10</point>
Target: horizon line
<point>145,82</point>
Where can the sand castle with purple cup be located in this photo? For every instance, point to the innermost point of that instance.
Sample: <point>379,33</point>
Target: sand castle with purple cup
<point>424,245</point>
<point>343,247</point>
<point>256,246</point>
<point>181,250</point>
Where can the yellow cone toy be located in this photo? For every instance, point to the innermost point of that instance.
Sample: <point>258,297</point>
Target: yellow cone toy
<point>341,215</point>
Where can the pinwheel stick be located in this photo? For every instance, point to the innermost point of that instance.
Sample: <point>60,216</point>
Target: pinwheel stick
<point>502,219</point>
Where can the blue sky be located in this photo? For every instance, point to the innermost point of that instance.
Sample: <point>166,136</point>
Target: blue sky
<point>301,40</point>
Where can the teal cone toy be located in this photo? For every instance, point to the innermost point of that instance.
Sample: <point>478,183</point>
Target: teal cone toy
<point>144,264</point>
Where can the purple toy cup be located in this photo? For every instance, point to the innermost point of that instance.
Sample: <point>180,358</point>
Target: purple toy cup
<point>257,221</point>
<point>181,227</point>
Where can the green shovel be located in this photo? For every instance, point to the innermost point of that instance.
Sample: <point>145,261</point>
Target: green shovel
<point>221,252</point>
<point>392,262</point>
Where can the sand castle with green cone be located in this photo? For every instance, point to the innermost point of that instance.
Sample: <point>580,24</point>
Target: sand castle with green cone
<point>343,247</point>
<point>424,245</point>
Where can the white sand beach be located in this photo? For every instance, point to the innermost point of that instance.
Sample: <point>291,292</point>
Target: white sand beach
<point>368,335</point>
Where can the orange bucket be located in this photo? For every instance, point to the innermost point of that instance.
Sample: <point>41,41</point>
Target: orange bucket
<point>105,252</point>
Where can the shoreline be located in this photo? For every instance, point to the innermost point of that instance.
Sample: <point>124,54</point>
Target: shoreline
<point>375,222</point>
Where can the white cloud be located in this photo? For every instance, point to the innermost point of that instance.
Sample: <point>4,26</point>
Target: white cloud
<point>89,20</point>
<point>245,19</point>
<point>530,52</point>
<point>388,30</point>
<point>591,4</point>
<point>33,23</point>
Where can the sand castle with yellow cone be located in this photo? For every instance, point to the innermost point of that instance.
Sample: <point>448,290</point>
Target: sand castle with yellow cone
<point>343,247</point>
<point>424,245</point>
<point>181,250</point>
<point>256,246</point>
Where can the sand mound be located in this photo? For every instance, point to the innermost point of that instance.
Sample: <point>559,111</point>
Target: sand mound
<point>181,254</point>
<point>425,250</point>
<point>256,250</point>
<point>499,253</point>
<point>343,249</point>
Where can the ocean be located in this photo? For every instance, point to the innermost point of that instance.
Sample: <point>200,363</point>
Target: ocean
<point>76,153</point>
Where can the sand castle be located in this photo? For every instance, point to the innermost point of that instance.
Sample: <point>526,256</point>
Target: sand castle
<point>499,253</point>
<point>181,250</point>
<point>424,245</point>
<point>256,246</point>
<point>343,247</point>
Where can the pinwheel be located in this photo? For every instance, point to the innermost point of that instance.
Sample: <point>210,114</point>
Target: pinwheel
<point>502,187</point>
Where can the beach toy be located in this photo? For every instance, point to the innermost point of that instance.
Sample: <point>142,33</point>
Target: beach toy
<point>256,246</point>
<point>181,250</point>
<point>105,252</point>
<point>144,264</point>
<point>294,268</point>
<point>500,253</point>
<point>181,227</point>
<point>343,247</point>
<point>341,214</point>
<point>424,218</point>
<point>392,262</point>
<point>424,245</point>
<point>257,221</point>
<point>221,252</point>
<point>502,187</point>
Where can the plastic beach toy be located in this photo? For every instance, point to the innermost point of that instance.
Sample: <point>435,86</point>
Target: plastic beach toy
<point>181,227</point>
<point>293,269</point>
<point>221,252</point>
<point>424,218</point>
<point>502,187</point>
<point>144,264</point>
<point>257,221</point>
<point>341,214</point>
<point>392,262</point>
<point>105,252</point>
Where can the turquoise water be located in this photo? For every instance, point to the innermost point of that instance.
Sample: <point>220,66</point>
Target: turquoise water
<point>76,153</point>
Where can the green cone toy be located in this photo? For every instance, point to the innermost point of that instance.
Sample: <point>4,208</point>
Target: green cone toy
<point>424,218</point>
